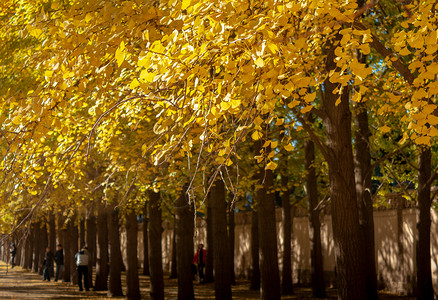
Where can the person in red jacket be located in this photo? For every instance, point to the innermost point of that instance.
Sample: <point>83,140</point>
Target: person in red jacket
<point>199,259</point>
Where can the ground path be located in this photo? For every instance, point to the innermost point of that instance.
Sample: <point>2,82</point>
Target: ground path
<point>18,283</point>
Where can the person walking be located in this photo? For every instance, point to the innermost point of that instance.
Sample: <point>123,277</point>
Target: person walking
<point>13,252</point>
<point>47,264</point>
<point>200,258</point>
<point>59,259</point>
<point>82,268</point>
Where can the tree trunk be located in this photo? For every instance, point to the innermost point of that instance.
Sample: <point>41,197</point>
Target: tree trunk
<point>44,242</point>
<point>270,277</point>
<point>82,241</point>
<point>115,270</point>
<point>173,267</point>
<point>286,283</point>
<point>255,266</point>
<point>210,245</point>
<point>132,281</point>
<point>316,268</point>
<point>36,247</point>
<point>363,175</point>
<point>91,242</point>
<point>145,241</point>
<point>68,255</point>
<point>155,251</point>
<point>102,259</point>
<point>349,249</point>
<point>231,237</point>
<point>184,246</point>
<point>74,248</point>
<point>52,232</point>
<point>424,275</point>
<point>222,276</point>
<point>28,251</point>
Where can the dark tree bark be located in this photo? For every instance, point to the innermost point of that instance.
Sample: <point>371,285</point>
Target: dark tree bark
<point>68,253</point>
<point>173,268</point>
<point>44,242</point>
<point>286,283</point>
<point>222,274</point>
<point>363,175</point>
<point>91,242</point>
<point>184,246</point>
<point>423,256</point>
<point>145,241</point>
<point>349,248</point>
<point>82,241</point>
<point>316,262</point>
<point>102,259</point>
<point>132,281</point>
<point>155,251</point>
<point>270,276</point>
<point>74,248</point>
<point>210,244</point>
<point>28,245</point>
<point>231,237</point>
<point>52,232</point>
<point>115,270</point>
<point>255,266</point>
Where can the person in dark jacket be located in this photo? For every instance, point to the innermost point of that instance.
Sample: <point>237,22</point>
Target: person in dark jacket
<point>47,264</point>
<point>59,259</point>
<point>13,252</point>
<point>200,258</point>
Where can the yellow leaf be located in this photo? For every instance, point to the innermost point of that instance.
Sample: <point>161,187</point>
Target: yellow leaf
<point>185,4</point>
<point>279,122</point>
<point>88,18</point>
<point>256,135</point>
<point>405,51</point>
<point>338,101</point>
<point>258,121</point>
<point>289,147</point>
<point>146,76</point>
<point>273,47</point>
<point>271,166</point>
<point>120,54</point>
<point>225,105</point>
<point>385,129</point>
<point>423,140</point>
<point>274,144</point>
<point>134,84</point>
<point>306,109</point>
<point>259,62</point>
<point>310,97</point>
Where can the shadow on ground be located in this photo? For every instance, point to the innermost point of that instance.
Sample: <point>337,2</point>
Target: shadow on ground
<point>23,284</point>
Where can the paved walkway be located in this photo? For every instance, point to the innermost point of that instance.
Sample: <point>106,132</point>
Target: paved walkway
<point>20,284</point>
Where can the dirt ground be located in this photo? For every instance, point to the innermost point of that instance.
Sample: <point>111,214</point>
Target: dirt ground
<point>18,283</point>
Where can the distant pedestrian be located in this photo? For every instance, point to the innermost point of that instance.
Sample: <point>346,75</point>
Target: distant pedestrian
<point>13,252</point>
<point>59,259</point>
<point>47,264</point>
<point>200,258</point>
<point>82,267</point>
